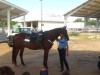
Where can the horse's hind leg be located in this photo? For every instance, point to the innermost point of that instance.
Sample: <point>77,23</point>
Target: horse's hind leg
<point>16,53</point>
<point>21,56</point>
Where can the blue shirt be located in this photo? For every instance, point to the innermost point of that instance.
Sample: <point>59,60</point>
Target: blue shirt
<point>62,43</point>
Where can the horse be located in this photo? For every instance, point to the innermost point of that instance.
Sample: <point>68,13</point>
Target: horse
<point>48,37</point>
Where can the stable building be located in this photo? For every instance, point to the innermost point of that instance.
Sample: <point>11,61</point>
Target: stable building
<point>9,11</point>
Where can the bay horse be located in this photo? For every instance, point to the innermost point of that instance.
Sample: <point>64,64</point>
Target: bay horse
<point>49,37</point>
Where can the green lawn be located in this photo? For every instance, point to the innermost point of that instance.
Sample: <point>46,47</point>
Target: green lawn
<point>85,36</point>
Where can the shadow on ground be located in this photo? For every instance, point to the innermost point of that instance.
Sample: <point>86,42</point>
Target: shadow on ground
<point>80,62</point>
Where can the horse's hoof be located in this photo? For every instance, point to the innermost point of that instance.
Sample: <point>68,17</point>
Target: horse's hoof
<point>24,65</point>
<point>14,64</point>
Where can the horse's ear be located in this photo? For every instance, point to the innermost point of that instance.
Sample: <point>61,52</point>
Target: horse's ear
<point>65,27</point>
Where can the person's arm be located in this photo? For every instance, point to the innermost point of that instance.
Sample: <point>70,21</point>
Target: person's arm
<point>67,50</point>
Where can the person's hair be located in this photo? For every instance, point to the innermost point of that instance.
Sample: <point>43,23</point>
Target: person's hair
<point>5,70</point>
<point>62,33</point>
<point>25,73</point>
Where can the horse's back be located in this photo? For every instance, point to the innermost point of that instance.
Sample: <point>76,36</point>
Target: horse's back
<point>21,35</point>
<point>19,38</point>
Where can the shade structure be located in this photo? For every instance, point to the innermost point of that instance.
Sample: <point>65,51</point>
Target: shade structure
<point>90,9</point>
<point>15,11</point>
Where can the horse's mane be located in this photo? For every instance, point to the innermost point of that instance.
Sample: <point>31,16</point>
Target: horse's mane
<point>56,30</point>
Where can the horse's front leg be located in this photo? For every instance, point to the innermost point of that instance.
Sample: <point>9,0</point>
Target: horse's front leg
<point>45,58</point>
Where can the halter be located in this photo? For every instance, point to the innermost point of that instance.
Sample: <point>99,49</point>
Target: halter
<point>50,41</point>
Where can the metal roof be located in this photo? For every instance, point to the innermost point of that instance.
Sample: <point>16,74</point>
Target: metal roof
<point>90,9</point>
<point>15,11</point>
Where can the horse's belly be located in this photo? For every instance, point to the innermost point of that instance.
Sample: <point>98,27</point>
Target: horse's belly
<point>32,46</point>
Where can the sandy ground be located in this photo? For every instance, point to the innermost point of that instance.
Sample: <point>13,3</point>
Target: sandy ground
<point>82,60</point>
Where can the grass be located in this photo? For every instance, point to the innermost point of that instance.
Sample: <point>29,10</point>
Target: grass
<point>85,36</point>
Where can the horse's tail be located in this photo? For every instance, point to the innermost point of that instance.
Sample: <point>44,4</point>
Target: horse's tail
<point>13,51</point>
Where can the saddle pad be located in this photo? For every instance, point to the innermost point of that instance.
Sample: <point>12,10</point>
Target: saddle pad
<point>27,40</point>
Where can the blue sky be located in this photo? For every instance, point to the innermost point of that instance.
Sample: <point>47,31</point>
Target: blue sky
<point>49,6</point>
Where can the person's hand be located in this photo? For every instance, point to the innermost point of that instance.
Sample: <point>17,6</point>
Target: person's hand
<point>67,54</point>
<point>67,51</point>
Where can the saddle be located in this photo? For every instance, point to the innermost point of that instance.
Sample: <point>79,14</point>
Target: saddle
<point>36,37</point>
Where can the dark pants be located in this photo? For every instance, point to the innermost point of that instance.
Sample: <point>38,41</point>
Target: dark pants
<point>62,56</point>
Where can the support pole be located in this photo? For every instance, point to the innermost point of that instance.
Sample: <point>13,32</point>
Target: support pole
<point>24,20</point>
<point>65,22</point>
<point>8,21</point>
<point>3,30</point>
<point>31,24</point>
<point>41,15</point>
<point>97,26</point>
<point>85,21</point>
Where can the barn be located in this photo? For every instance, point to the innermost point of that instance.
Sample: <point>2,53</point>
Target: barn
<point>9,11</point>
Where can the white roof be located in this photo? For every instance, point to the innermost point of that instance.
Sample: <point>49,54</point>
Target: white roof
<point>15,11</point>
<point>90,9</point>
<point>37,17</point>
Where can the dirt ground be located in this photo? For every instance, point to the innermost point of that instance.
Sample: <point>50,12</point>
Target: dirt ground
<point>82,59</point>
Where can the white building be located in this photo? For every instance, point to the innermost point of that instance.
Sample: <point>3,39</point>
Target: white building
<point>50,21</point>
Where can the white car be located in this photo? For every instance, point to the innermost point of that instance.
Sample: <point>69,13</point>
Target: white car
<point>20,30</point>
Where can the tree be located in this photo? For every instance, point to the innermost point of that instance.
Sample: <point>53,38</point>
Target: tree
<point>11,24</point>
<point>90,21</point>
<point>79,20</point>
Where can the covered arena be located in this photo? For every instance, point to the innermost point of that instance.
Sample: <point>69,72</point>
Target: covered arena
<point>89,9</point>
<point>9,11</point>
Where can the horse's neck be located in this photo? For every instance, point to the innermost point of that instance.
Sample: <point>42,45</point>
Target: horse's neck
<point>52,36</point>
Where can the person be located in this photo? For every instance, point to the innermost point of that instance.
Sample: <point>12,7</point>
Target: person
<point>62,48</point>
<point>26,73</point>
<point>5,70</point>
<point>43,71</point>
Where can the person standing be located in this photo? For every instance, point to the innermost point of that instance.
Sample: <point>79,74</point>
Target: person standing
<point>62,48</point>
<point>44,71</point>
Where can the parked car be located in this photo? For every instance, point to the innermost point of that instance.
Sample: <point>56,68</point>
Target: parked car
<point>20,30</point>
